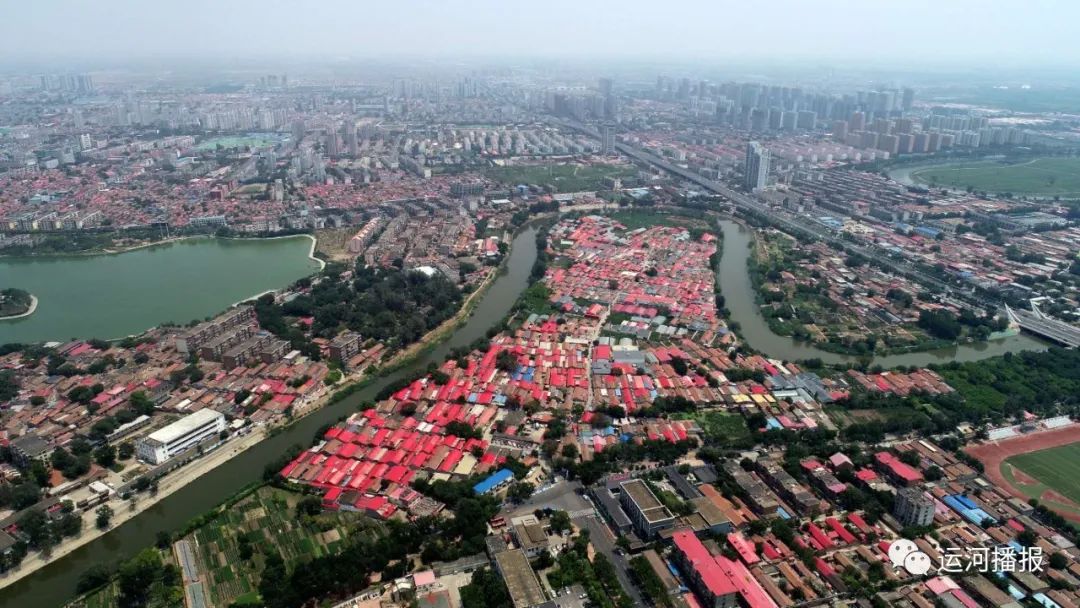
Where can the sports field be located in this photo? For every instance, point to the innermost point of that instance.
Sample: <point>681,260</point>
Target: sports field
<point>1058,468</point>
<point>1040,176</point>
<point>1042,464</point>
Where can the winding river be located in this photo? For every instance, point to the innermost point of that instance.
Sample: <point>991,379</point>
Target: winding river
<point>739,298</point>
<point>54,584</point>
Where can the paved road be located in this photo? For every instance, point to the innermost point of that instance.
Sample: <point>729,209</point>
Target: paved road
<point>562,496</point>
<point>604,542</point>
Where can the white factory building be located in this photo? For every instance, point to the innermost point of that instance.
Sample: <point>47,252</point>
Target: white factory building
<point>189,431</point>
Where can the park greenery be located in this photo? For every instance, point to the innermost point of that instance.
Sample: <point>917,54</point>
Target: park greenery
<point>807,309</point>
<point>382,304</point>
<point>14,302</point>
<point>570,177</point>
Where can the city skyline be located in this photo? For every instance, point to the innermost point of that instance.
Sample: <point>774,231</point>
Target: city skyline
<point>725,32</point>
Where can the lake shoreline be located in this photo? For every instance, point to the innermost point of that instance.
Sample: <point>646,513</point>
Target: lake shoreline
<point>207,268</point>
<point>345,395</point>
<point>160,243</point>
<point>29,311</point>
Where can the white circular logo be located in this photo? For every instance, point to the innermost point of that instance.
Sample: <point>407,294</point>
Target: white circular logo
<point>905,554</point>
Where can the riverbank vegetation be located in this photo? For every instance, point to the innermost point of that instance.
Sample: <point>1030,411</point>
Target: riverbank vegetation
<point>14,302</point>
<point>393,305</point>
<point>994,391</point>
<point>570,177</point>
<point>841,303</point>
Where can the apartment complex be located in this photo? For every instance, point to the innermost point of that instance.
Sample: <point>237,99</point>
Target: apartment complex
<point>202,333</point>
<point>345,347</point>
<point>913,507</point>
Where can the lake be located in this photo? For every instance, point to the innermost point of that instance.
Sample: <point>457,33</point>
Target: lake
<point>54,584</point>
<point>116,295</point>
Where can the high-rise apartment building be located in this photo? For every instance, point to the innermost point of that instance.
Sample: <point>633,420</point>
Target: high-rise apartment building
<point>756,170</point>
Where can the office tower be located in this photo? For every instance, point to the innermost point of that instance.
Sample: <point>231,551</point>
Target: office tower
<point>298,130</point>
<point>607,140</point>
<point>788,121</point>
<point>756,170</point>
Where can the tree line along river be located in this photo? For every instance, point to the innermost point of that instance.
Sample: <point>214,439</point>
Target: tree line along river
<point>54,584</point>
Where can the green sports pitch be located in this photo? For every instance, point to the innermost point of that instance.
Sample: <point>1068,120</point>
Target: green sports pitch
<point>1050,176</point>
<point>1057,468</point>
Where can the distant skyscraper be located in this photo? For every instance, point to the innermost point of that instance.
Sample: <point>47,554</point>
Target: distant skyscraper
<point>607,140</point>
<point>605,85</point>
<point>351,142</point>
<point>756,169</point>
<point>840,130</point>
<point>333,148</point>
<point>857,122</point>
<point>908,100</point>
<point>298,129</point>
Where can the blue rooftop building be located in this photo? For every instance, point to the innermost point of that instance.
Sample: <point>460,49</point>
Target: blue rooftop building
<point>496,481</point>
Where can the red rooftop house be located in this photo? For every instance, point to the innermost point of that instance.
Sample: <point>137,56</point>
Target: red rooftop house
<point>702,572</point>
<point>717,580</point>
<point>897,470</point>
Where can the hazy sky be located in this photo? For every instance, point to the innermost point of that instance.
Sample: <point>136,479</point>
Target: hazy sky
<point>1008,32</point>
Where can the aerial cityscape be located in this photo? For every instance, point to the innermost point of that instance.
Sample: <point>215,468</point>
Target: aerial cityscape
<point>561,306</point>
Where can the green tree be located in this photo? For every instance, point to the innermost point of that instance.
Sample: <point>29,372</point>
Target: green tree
<point>105,455</point>
<point>136,577</point>
<point>104,516</point>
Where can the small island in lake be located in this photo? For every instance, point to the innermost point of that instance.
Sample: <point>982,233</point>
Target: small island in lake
<point>16,303</point>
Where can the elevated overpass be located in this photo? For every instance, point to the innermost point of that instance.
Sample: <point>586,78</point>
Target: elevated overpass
<point>1034,321</point>
<point>750,203</point>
